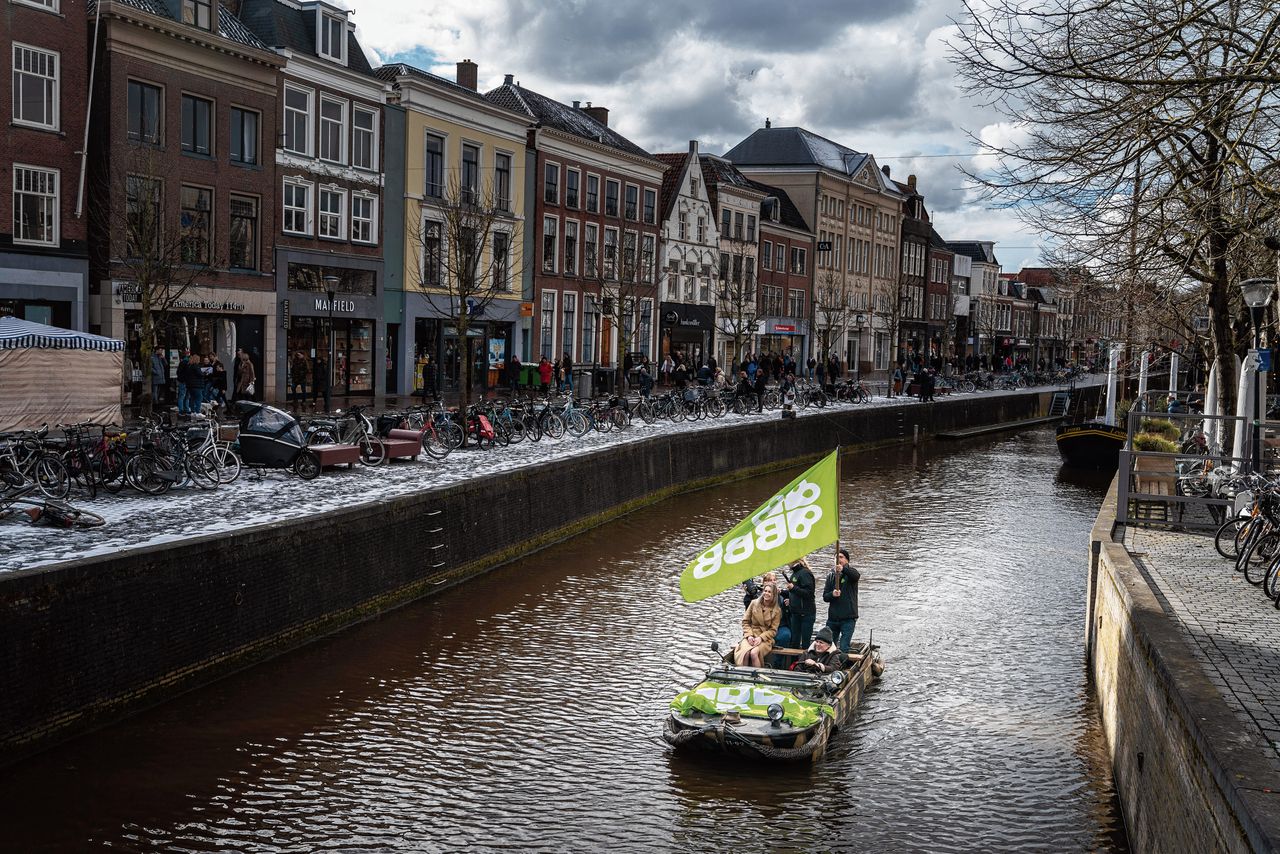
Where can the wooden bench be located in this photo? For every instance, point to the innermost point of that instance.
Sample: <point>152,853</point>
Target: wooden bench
<point>336,455</point>
<point>406,446</point>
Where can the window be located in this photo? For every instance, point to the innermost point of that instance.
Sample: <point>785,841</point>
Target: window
<point>702,229</point>
<point>470,173</point>
<point>144,112</point>
<point>611,253</point>
<point>333,137</point>
<point>51,5</point>
<point>333,42</point>
<point>766,255</point>
<point>196,115</point>
<point>795,306</point>
<point>590,311</point>
<point>547,326</point>
<point>297,207</point>
<point>501,261</point>
<point>197,12</point>
<point>502,182</point>
<point>435,166</point>
<point>593,194</point>
<point>567,338</point>
<point>551,184</point>
<point>724,269</point>
<point>244,233</point>
<point>633,202</point>
<point>297,120</point>
<point>611,190</point>
<point>683,225</point>
<point>650,206</point>
<point>431,255</point>
<point>737,269</point>
<point>364,218</point>
<point>751,228</point>
<point>629,257</point>
<point>628,324</point>
<point>647,258</point>
<point>549,226</point>
<point>570,248</point>
<point>726,223</point>
<point>332,212</point>
<point>737,225</point>
<point>35,205</point>
<point>780,257</point>
<point>143,215</point>
<point>590,242</point>
<point>571,179</point>
<point>244,136</point>
<point>364,143</point>
<point>35,87</point>
<point>797,261</point>
<point>645,331</point>
<point>771,300</point>
<point>196,225</point>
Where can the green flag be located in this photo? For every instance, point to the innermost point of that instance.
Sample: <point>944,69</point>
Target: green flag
<point>802,517</point>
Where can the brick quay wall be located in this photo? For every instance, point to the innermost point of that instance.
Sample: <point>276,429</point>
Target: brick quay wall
<point>86,642</point>
<point>1189,775</point>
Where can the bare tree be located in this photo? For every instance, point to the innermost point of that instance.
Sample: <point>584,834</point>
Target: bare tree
<point>161,251</point>
<point>616,279</point>
<point>738,299</point>
<point>467,243</point>
<point>888,298</point>
<point>832,308</point>
<point>1148,125</point>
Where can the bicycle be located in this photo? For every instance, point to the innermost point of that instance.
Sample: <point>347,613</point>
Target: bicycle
<point>45,511</point>
<point>24,454</point>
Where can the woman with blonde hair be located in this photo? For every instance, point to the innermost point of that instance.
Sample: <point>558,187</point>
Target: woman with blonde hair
<point>759,626</point>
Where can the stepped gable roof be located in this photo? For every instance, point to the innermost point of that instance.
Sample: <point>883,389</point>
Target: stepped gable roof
<point>794,146</point>
<point>972,249</point>
<point>390,72</point>
<point>670,180</point>
<point>284,25</point>
<point>229,26</point>
<point>562,117</point>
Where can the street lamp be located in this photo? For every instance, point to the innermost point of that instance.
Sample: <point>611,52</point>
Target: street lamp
<point>331,290</point>
<point>1257,293</point>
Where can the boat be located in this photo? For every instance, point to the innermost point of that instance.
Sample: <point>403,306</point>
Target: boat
<point>1094,443</point>
<point>763,712</point>
<point>775,715</point>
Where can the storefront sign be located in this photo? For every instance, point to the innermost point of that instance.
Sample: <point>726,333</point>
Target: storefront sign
<point>671,317</point>
<point>526,309</point>
<point>497,352</point>
<point>208,305</point>
<point>344,305</point>
<point>824,245</point>
<point>284,314</point>
<point>130,294</point>
<point>784,327</point>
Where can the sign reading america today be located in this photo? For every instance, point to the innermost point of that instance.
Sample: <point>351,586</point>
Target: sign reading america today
<point>129,295</point>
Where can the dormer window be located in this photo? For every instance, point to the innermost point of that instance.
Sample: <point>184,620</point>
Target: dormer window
<point>198,13</point>
<point>333,38</point>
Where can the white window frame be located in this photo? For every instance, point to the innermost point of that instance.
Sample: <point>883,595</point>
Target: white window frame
<point>766,255</point>
<point>310,119</point>
<point>56,89</point>
<point>373,141</point>
<point>645,343</point>
<point>569,303</point>
<point>342,129</point>
<point>554,222</point>
<point>577,204</point>
<point>591,264</point>
<point>506,284</point>
<point>372,219</point>
<point>569,263</point>
<point>42,5</point>
<point>323,18</point>
<point>308,209</point>
<point>547,167</point>
<point>547,343</point>
<point>56,228</point>
<point>341,216</point>
<point>586,185</point>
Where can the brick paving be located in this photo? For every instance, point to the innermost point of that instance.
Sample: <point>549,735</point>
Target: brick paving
<point>1231,627</point>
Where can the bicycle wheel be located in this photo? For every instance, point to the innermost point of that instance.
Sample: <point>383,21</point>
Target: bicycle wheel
<point>715,407</point>
<point>1261,554</point>
<point>515,429</point>
<point>111,470</point>
<point>675,411</point>
<point>1269,579</point>
<point>74,516</point>
<point>143,473</point>
<point>532,429</point>
<point>435,445</point>
<point>501,434</point>
<point>553,425</point>
<point>968,386</point>
<point>453,433</point>
<point>619,417</point>
<point>372,452</point>
<point>307,465</point>
<point>81,469</point>
<point>51,477</point>
<point>201,472</point>
<point>577,424</point>
<point>647,412</point>
<point>771,400</point>
<point>1225,540</point>
<point>602,422</point>
<point>224,461</point>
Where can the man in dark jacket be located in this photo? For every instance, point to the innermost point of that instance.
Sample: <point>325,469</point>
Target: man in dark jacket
<point>762,379</point>
<point>824,657</point>
<point>800,593</point>
<point>841,593</point>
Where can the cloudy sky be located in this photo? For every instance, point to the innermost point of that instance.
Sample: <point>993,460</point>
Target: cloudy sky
<point>869,74</point>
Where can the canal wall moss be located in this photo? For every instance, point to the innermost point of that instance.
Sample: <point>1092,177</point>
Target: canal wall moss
<point>1187,777</point>
<point>88,641</point>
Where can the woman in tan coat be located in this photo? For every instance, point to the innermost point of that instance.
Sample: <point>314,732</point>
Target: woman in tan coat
<point>759,626</point>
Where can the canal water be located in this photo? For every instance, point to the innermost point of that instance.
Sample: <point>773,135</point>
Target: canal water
<point>523,709</point>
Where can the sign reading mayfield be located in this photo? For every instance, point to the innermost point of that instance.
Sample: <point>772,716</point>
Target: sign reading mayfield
<point>346,305</point>
<point>129,295</point>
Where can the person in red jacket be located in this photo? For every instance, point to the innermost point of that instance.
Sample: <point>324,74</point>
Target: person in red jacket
<point>544,374</point>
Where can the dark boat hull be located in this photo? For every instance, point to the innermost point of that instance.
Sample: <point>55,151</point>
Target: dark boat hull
<point>1090,444</point>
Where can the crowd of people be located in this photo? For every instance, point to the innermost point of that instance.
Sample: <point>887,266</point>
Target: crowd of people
<point>200,379</point>
<point>781,610</point>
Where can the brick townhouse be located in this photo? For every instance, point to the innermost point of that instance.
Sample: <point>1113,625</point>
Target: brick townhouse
<point>44,263</point>
<point>184,113</point>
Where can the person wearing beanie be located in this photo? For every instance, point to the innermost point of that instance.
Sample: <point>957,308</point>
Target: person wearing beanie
<point>841,595</point>
<point>800,595</point>
<point>822,657</point>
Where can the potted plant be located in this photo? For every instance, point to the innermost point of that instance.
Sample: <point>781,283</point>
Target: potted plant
<point>1162,427</point>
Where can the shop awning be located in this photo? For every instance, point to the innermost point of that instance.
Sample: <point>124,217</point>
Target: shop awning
<point>18,334</point>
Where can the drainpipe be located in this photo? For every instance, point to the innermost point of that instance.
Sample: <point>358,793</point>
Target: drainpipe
<point>88,107</point>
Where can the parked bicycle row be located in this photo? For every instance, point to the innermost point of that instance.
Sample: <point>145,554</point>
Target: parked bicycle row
<point>1251,537</point>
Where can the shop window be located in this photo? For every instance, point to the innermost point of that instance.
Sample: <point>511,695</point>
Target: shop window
<point>35,87</point>
<point>244,232</point>
<point>35,205</point>
<point>196,225</point>
<point>311,277</point>
<point>244,136</point>
<point>144,112</point>
<point>197,115</point>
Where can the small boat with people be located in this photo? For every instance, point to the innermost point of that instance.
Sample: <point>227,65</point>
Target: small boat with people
<point>750,703</point>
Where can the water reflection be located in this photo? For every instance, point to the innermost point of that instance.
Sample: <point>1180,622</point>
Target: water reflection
<point>523,710</point>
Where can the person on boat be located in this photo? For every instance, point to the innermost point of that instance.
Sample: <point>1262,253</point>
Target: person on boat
<point>800,593</point>
<point>822,657</point>
<point>841,596</point>
<point>759,627</point>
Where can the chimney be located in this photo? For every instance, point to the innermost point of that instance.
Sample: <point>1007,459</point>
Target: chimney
<point>468,74</point>
<point>885,170</point>
<point>600,114</point>
<point>508,79</point>
<point>767,124</point>
<point>577,105</point>
<point>911,183</point>
<point>693,146</point>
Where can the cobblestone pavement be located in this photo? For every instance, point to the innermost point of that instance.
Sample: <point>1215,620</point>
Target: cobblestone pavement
<point>1230,625</point>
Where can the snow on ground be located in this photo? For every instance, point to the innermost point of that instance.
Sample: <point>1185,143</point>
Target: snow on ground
<point>135,520</point>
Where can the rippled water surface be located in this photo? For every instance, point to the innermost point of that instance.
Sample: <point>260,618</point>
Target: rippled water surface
<point>523,709</point>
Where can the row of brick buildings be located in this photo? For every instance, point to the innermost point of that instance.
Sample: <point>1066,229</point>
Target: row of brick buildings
<point>302,197</point>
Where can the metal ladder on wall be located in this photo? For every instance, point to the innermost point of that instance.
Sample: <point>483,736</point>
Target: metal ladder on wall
<point>1059,404</point>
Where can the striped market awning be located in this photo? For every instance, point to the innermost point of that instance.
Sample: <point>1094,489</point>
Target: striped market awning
<point>18,334</point>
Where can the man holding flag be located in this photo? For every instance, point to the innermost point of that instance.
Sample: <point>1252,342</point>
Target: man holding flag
<point>842,595</point>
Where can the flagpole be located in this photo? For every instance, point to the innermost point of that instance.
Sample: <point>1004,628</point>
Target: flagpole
<point>839,575</point>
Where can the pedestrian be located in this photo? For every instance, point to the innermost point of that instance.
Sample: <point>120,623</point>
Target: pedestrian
<point>566,373</point>
<point>841,596</point>
<point>246,385</point>
<point>801,591</point>
<point>159,376</point>
<point>319,379</point>
<point>430,386</point>
<point>646,380</point>
<point>668,367</point>
<point>513,373</point>
<point>819,371</point>
<point>194,381</point>
<point>298,377</point>
<point>545,371</point>
<point>808,368</point>
<point>762,379</point>
<point>218,382</point>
